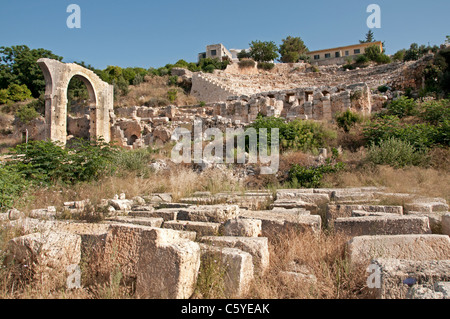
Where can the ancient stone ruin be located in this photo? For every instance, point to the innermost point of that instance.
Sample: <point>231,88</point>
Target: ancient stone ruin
<point>101,99</point>
<point>159,246</point>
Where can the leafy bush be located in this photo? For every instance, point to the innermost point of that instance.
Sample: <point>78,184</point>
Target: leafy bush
<point>383,88</point>
<point>15,93</point>
<point>396,153</point>
<point>421,136</point>
<point>402,107</point>
<point>266,66</point>
<point>347,120</point>
<point>12,186</point>
<point>435,112</point>
<point>46,162</point>
<point>173,80</point>
<point>296,135</point>
<point>134,161</point>
<point>362,59</point>
<point>311,177</point>
<point>374,53</point>
<point>172,95</point>
<point>26,114</point>
<point>247,63</point>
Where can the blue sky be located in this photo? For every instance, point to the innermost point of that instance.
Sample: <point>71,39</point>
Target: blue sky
<point>153,33</point>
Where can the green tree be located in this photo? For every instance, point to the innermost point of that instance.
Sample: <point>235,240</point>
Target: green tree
<point>369,38</point>
<point>263,51</point>
<point>292,49</point>
<point>18,65</point>
<point>243,55</point>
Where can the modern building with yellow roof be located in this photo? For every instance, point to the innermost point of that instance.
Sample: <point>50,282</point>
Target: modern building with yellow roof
<point>339,55</point>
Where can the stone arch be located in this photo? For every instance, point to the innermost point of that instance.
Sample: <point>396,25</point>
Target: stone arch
<point>57,77</point>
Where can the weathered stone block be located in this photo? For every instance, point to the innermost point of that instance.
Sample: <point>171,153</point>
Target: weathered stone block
<point>47,257</point>
<point>235,264</point>
<point>386,225</point>
<point>414,247</point>
<point>446,224</point>
<point>275,223</point>
<point>257,247</point>
<point>339,211</point>
<point>144,221</point>
<point>394,272</point>
<point>201,228</point>
<point>214,214</point>
<point>162,262</point>
<point>243,228</point>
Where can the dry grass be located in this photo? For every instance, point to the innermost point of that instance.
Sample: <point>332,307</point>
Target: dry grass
<point>324,257</point>
<point>413,180</point>
<point>154,89</point>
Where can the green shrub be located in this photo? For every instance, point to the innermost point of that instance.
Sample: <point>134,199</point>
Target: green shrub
<point>266,66</point>
<point>247,63</point>
<point>347,120</point>
<point>383,88</point>
<point>311,177</point>
<point>421,136</point>
<point>173,80</point>
<point>362,59</point>
<point>12,186</point>
<point>15,93</point>
<point>435,112</point>
<point>396,153</point>
<point>402,107</point>
<point>296,135</point>
<point>172,95</point>
<point>4,96</point>
<point>136,161</point>
<point>26,114</point>
<point>46,162</point>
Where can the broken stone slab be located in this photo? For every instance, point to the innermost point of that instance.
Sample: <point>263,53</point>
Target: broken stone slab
<point>446,224</point>
<point>79,205</point>
<point>342,210</point>
<point>158,198</point>
<point>48,258</point>
<point>162,262</point>
<point>435,220</point>
<point>314,198</point>
<point>384,225</point>
<point>293,211</point>
<point>201,228</point>
<point>14,214</point>
<point>235,265</point>
<point>297,273</point>
<point>214,213</point>
<point>275,223</point>
<point>395,274</point>
<point>142,208</point>
<point>257,247</point>
<point>121,204</point>
<point>167,214</point>
<point>144,221</point>
<point>363,249</point>
<point>172,205</point>
<point>350,197</point>
<point>45,213</point>
<point>362,213</point>
<point>440,290</point>
<point>294,204</point>
<point>426,207</point>
<point>243,227</point>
